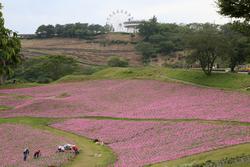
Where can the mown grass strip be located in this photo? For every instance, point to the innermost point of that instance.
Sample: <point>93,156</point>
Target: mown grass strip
<point>19,85</point>
<point>216,155</point>
<point>226,81</point>
<point>4,108</point>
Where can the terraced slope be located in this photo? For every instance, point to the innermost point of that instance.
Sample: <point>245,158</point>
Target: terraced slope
<point>88,53</point>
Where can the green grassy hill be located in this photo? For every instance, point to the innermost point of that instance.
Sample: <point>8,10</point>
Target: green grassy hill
<point>217,80</point>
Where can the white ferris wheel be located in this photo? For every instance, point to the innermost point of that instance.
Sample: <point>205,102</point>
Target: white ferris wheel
<point>117,19</point>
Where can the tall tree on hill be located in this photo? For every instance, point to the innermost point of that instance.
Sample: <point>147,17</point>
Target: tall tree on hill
<point>9,50</point>
<point>148,28</point>
<point>239,46</point>
<point>207,44</point>
<point>237,9</point>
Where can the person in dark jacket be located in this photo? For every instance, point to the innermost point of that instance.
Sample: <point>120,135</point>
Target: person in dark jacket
<point>26,153</point>
<point>37,154</point>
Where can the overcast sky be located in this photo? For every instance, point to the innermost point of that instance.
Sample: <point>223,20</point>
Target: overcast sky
<point>24,16</point>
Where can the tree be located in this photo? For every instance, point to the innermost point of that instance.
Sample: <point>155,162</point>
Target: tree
<point>207,44</point>
<point>235,8</point>
<point>108,28</point>
<point>46,31</point>
<point>148,28</point>
<point>59,30</point>
<point>167,47</point>
<point>147,51</point>
<point>238,9</point>
<point>44,69</point>
<point>9,50</point>
<point>77,30</point>
<point>115,61</point>
<point>238,49</point>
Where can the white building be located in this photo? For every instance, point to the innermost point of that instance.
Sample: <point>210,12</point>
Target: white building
<point>132,26</point>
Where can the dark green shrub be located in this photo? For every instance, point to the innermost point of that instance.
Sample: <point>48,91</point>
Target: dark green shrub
<point>43,79</point>
<point>88,70</point>
<point>45,69</point>
<point>115,61</point>
<point>147,50</point>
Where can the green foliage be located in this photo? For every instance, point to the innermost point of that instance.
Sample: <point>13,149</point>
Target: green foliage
<point>46,69</point>
<point>167,47</point>
<point>105,43</point>
<point>46,31</point>
<point>160,39</point>
<point>115,61</point>
<point>87,70</point>
<point>238,9</point>
<point>239,46</point>
<point>146,29</point>
<point>208,44</point>
<point>3,108</point>
<point>235,8</point>
<point>9,50</point>
<point>147,50</point>
<point>77,30</point>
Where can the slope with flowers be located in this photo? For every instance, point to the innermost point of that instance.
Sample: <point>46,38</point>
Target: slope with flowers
<point>13,143</point>
<point>155,121</point>
<point>142,143</point>
<point>127,99</point>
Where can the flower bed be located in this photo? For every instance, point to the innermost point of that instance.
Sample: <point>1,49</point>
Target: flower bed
<point>141,143</point>
<point>130,99</point>
<point>15,138</point>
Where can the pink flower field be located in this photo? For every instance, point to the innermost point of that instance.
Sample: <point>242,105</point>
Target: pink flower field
<point>141,143</point>
<point>15,138</point>
<point>127,99</point>
<point>136,143</point>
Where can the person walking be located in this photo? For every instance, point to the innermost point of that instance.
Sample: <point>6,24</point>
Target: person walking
<point>26,153</point>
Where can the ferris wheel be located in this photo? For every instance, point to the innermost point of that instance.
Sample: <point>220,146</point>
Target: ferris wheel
<point>117,19</point>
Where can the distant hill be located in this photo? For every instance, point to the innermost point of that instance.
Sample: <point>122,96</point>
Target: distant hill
<point>88,52</point>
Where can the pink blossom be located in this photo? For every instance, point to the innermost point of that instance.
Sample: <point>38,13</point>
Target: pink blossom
<point>141,143</point>
<point>15,138</point>
<point>128,99</point>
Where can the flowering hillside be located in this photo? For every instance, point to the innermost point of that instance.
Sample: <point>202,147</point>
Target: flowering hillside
<point>15,138</point>
<point>127,99</point>
<point>141,143</point>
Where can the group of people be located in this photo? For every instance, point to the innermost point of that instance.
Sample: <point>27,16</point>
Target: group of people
<point>67,147</point>
<point>63,148</point>
<point>26,153</point>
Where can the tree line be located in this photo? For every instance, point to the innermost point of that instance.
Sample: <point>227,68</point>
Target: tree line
<point>77,30</point>
<point>206,43</point>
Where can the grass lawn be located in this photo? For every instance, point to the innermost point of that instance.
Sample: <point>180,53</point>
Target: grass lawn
<point>229,81</point>
<point>89,149</point>
<point>216,155</point>
<point>19,85</point>
<point>2,108</point>
<point>240,82</point>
